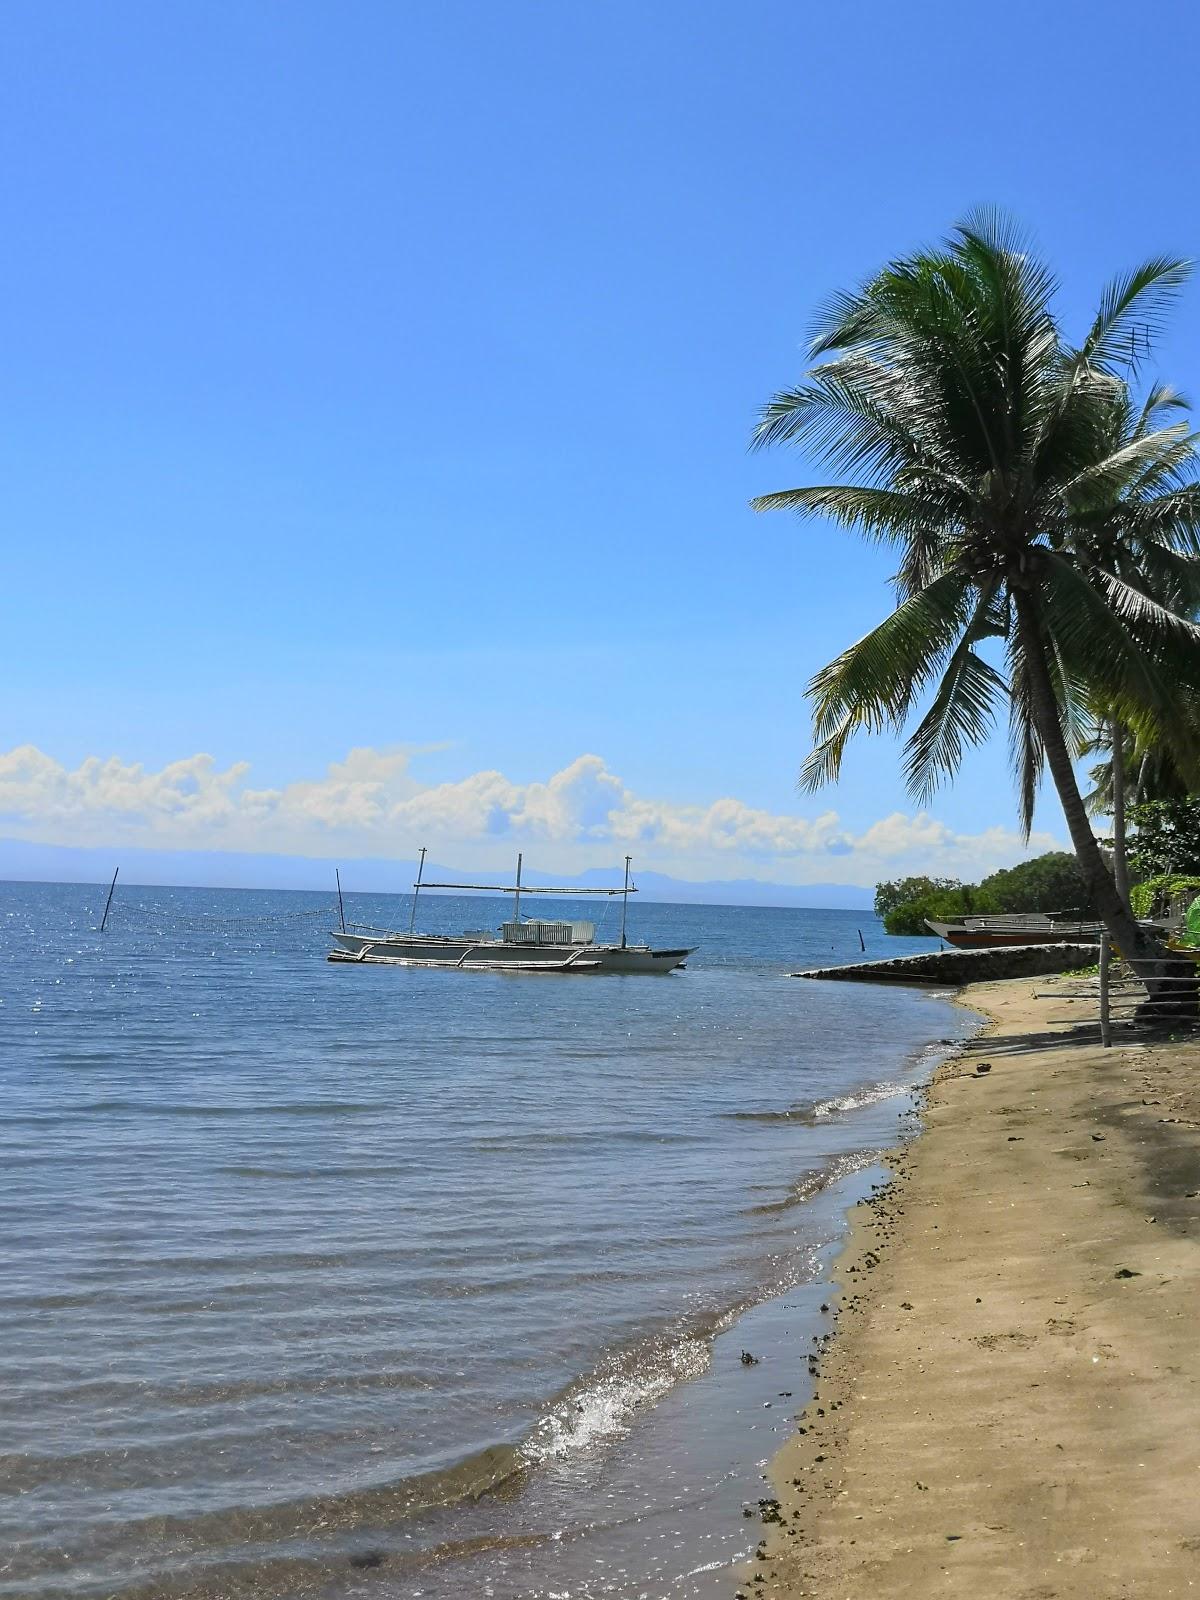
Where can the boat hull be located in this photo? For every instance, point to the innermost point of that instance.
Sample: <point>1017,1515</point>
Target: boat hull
<point>996,938</point>
<point>494,955</point>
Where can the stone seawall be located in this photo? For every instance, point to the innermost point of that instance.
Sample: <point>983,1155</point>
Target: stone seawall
<point>953,968</point>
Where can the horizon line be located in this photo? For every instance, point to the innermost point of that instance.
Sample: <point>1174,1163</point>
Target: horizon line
<point>527,892</point>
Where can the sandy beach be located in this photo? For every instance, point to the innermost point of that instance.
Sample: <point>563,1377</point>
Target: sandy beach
<point>1010,1403</point>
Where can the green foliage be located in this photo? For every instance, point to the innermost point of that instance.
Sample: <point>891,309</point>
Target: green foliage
<point>1168,837</point>
<point>900,890</point>
<point>940,905</point>
<point>1156,896</point>
<point>1045,519</point>
<point>1052,882</point>
<point>1151,773</point>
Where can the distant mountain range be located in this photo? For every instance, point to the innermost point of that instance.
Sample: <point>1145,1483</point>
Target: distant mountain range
<point>46,863</point>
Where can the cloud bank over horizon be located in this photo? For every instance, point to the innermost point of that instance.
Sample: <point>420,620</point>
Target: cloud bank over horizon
<point>371,804</point>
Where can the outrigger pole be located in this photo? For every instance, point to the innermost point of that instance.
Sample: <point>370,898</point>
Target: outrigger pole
<point>534,889</point>
<point>517,889</point>
<point>417,889</point>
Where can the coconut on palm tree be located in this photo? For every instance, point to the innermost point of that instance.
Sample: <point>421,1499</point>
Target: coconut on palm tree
<point>1046,521</point>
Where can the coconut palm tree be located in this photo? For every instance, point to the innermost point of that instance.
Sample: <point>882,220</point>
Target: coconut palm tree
<point>1149,771</point>
<point>1047,522</point>
<point>1131,772</point>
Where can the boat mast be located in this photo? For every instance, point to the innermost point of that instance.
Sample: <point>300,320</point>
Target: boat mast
<point>412,916</point>
<point>517,892</point>
<point>625,900</point>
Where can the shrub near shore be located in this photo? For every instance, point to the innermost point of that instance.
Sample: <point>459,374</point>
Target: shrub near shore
<point>1052,882</point>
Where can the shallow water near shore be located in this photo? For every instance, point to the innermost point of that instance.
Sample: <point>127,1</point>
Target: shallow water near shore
<point>326,1280</point>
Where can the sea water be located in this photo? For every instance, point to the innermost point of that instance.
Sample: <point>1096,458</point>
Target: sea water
<point>325,1280</point>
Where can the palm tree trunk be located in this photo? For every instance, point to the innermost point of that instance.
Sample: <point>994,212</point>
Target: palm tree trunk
<point>1120,856</point>
<point>1144,954</point>
<point>1139,788</point>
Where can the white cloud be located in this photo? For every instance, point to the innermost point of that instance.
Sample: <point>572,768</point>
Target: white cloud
<point>370,804</point>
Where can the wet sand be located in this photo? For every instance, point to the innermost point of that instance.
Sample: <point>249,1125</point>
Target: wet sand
<point>1010,1404</point>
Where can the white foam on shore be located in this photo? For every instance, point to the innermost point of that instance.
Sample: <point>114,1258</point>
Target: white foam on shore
<point>601,1408</point>
<point>923,1064</point>
<point>861,1097</point>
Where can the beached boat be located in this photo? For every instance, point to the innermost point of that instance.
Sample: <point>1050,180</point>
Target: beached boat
<point>519,945</point>
<point>986,933</point>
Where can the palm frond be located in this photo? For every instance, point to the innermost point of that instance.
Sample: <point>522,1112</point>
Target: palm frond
<point>823,764</point>
<point>1160,398</point>
<point>1171,578</point>
<point>1167,471</point>
<point>872,684</point>
<point>1132,312</point>
<point>1156,627</point>
<point>925,555</point>
<point>1123,645</point>
<point>1171,520</point>
<point>1102,480</point>
<point>963,709</point>
<point>844,414</point>
<point>882,514</point>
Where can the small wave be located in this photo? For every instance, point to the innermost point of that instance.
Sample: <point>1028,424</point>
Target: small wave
<point>602,1139</point>
<point>266,1549</point>
<point>813,1183</point>
<point>199,1395</point>
<point>840,1104</point>
<point>153,1108</point>
<point>600,1408</point>
<point>809,1112</point>
<point>292,1528</point>
<point>804,1114</point>
<point>292,1174</point>
<point>299,1567</point>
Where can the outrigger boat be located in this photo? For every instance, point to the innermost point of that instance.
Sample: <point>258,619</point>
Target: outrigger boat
<point>530,945</point>
<point>990,933</point>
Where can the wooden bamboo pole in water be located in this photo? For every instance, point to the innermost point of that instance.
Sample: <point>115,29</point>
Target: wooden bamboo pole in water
<point>108,902</point>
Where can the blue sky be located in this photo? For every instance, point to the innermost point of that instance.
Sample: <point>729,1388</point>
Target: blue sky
<point>381,377</point>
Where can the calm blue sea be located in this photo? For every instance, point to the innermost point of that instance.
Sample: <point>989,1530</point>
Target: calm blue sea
<point>330,1280</point>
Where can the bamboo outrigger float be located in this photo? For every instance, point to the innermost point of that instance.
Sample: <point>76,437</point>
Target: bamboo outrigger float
<point>534,945</point>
